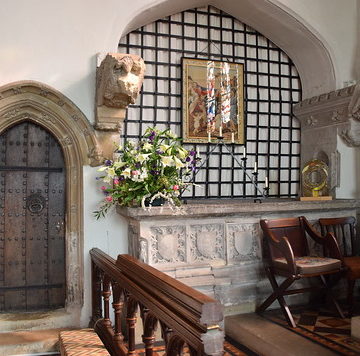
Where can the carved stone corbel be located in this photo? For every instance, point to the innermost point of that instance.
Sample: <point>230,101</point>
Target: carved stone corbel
<point>119,78</point>
<point>351,134</point>
<point>354,106</point>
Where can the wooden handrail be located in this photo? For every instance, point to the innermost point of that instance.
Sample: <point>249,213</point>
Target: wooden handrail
<point>186,316</point>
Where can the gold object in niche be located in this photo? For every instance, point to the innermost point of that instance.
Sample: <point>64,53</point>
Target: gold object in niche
<point>314,179</point>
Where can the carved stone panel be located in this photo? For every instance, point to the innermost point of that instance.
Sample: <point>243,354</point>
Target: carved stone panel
<point>143,251</point>
<point>207,243</point>
<point>167,244</point>
<point>243,244</point>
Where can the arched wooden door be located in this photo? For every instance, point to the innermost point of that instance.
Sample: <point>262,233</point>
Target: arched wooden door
<point>32,219</point>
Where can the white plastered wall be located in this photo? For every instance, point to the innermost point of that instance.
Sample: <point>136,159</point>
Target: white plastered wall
<point>55,42</point>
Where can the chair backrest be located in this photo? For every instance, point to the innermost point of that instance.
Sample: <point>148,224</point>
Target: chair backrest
<point>344,230</point>
<point>292,228</point>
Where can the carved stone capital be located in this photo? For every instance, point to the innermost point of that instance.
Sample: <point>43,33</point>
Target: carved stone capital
<point>119,78</point>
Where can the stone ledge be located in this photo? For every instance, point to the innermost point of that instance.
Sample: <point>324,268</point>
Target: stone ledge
<point>237,207</point>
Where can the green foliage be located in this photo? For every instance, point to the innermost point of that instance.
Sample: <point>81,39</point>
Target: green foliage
<point>154,167</point>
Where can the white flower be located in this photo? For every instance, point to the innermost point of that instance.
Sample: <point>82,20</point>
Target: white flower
<point>142,157</point>
<point>167,161</point>
<point>178,163</point>
<point>143,175</point>
<point>147,146</point>
<point>107,179</point>
<point>126,172</point>
<point>171,134</point>
<point>111,172</point>
<point>164,147</point>
<point>119,164</point>
<point>102,169</point>
<point>182,153</point>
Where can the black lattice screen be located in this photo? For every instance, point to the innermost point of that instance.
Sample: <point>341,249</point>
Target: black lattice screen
<point>271,87</point>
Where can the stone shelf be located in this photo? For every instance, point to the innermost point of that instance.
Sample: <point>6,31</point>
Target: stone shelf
<point>232,207</point>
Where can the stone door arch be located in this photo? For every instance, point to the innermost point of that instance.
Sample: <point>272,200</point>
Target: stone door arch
<point>38,103</point>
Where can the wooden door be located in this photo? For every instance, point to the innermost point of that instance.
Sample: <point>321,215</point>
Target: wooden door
<point>32,220</point>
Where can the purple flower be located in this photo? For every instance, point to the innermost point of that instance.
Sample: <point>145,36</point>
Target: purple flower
<point>152,136</point>
<point>188,159</point>
<point>159,152</point>
<point>108,162</point>
<point>121,178</point>
<point>192,153</point>
<point>138,165</point>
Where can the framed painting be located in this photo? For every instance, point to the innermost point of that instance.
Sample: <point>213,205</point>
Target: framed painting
<point>212,101</point>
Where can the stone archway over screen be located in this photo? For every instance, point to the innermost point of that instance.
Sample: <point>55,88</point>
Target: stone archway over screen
<point>303,45</point>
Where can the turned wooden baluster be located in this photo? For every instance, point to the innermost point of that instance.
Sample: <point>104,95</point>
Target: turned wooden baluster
<point>166,333</point>
<point>106,293</point>
<point>175,346</point>
<point>96,276</point>
<point>150,325</point>
<point>193,352</point>
<point>118,304</point>
<point>131,323</point>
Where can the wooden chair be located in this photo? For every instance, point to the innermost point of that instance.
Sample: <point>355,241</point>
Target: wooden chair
<point>288,254</point>
<point>344,231</point>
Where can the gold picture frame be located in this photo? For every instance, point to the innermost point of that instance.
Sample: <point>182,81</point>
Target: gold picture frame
<point>212,93</point>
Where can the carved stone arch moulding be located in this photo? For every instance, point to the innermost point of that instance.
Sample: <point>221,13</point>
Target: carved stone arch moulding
<point>53,110</point>
<point>307,49</point>
<point>39,103</point>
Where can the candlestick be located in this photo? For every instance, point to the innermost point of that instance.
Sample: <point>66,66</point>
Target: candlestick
<point>244,152</point>
<point>266,182</point>
<point>220,131</point>
<point>255,167</point>
<point>209,136</point>
<point>232,137</point>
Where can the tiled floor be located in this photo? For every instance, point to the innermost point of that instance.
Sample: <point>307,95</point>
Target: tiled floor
<point>269,339</point>
<point>321,326</point>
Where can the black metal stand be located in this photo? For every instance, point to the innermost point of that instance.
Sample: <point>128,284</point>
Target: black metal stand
<point>242,164</point>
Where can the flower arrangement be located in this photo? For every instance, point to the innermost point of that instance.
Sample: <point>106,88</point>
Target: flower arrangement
<point>153,168</point>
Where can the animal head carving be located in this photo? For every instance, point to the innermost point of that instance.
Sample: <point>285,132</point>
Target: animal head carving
<point>119,79</point>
